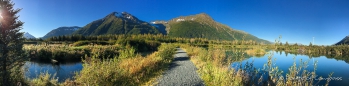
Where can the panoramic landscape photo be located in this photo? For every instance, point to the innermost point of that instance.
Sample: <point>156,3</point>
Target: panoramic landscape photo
<point>174,43</point>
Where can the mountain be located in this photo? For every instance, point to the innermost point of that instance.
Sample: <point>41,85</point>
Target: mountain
<point>161,26</point>
<point>203,26</point>
<point>28,36</point>
<point>345,40</point>
<point>60,31</point>
<point>118,23</point>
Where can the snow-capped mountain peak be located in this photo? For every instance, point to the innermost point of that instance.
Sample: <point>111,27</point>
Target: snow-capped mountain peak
<point>28,36</point>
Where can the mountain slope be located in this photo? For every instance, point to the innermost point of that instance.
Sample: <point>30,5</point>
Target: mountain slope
<point>161,26</point>
<point>203,26</point>
<point>61,31</point>
<point>345,40</point>
<point>28,36</point>
<point>117,23</point>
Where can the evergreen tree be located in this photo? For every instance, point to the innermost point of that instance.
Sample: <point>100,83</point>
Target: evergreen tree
<point>286,44</point>
<point>311,44</point>
<point>11,43</point>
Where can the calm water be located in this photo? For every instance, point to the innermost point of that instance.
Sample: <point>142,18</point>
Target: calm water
<point>324,66</point>
<point>63,71</point>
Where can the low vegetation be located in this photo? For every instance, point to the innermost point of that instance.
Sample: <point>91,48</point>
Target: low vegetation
<point>68,53</point>
<point>129,68</point>
<point>258,52</point>
<point>215,69</point>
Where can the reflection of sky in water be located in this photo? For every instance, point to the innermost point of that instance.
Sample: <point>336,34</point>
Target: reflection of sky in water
<point>63,71</point>
<point>324,66</point>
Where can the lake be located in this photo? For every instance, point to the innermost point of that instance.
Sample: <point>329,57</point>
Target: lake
<point>63,71</point>
<point>325,65</point>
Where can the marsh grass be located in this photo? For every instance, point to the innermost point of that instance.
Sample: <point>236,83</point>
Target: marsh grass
<point>61,52</point>
<point>44,79</point>
<point>128,70</point>
<point>215,69</point>
<point>256,51</point>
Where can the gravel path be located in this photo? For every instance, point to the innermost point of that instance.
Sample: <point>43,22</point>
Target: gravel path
<point>182,72</point>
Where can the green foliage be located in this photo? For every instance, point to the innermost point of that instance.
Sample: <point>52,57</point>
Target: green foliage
<point>127,53</point>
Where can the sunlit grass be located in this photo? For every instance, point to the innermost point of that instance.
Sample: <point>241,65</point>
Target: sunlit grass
<point>215,69</point>
<point>256,52</point>
<point>62,52</point>
<point>44,79</point>
<point>127,69</point>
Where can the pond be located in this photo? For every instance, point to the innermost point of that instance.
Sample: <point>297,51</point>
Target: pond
<point>325,65</point>
<point>63,71</point>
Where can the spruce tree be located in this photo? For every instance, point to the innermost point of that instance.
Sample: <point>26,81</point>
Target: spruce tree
<point>310,44</point>
<point>11,43</point>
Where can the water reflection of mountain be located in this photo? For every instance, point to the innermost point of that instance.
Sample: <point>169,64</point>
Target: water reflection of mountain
<point>235,54</point>
<point>342,57</point>
<point>339,57</point>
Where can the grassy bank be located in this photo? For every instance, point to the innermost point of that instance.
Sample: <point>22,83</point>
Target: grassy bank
<point>129,68</point>
<point>256,51</point>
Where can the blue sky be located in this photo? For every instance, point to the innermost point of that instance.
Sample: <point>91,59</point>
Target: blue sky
<point>298,21</point>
